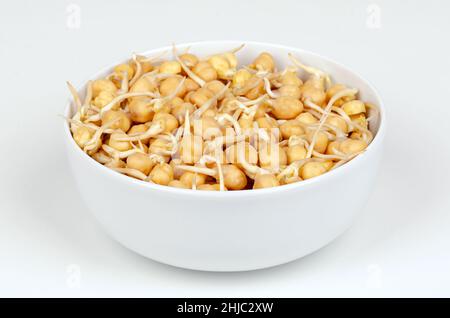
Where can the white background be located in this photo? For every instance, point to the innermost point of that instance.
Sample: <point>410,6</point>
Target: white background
<point>49,243</point>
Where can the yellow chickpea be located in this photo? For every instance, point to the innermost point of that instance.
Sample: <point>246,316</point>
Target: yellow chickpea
<point>290,78</point>
<point>158,146</point>
<point>313,169</point>
<point>245,150</point>
<point>188,178</point>
<point>234,178</point>
<point>360,119</point>
<point>313,91</point>
<point>209,187</point>
<point>82,135</point>
<point>321,141</point>
<point>351,146</point>
<point>170,121</point>
<point>336,88</point>
<point>286,107</point>
<point>179,111</point>
<point>191,85</point>
<point>290,90</point>
<point>121,68</point>
<point>170,67</point>
<point>307,118</point>
<point>208,127</point>
<point>101,85</point>
<point>139,129</point>
<point>191,149</point>
<point>337,122</point>
<point>295,153</point>
<point>272,156</point>
<point>123,123</point>
<point>354,107</point>
<point>240,78</point>
<point>161,174</point>
<point>264,62</point>
<point>177,184</point>
<point>104,98</point>
<point>141,162</point>
<point>189,59</point>
<point>291,128</point>
<point>257,89</point>
<point>215,86</point>
<point>142,85</point>
<point>265,181</point>
<point>205,71</point>
<point>201,96</point>
<point>140,110</point>
<point>117,144</point>
<point>169,85</point>
<point>333,148</point>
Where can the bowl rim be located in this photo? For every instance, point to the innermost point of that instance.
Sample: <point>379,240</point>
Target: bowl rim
<point>378,138</point>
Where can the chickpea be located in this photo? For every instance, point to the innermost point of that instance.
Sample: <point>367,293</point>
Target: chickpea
<point>117,144</point>
<point>121,68</point>
<point>201,96</point>
<point>313,90</point>
<point>291,79</point>
<point>190,85</point>
<point>241,78</point>
<point>215,86</point>
<point>296,153</point>
<point>267,123</point>
<point>169,85</point>
<point>248,152</point>
<point>104,98</point>
<point>354,107</point>
<point>82,135</point>
<point>262,110</point>
<point>207,127</point>
<point>170,121</point>
<point>177,184</point>
<point>209,187</point>
<point>256,91</point>
<point>191,149</point>
<point>351,146</point>
<point>142,85</point>
<point>337,122</point>
<point>333,148</point>
<point>286,107</point>
<point>360,119</point>
<point>123,123</point>
<point>179,111</point>
<point>205,71</point>
<point>139,129</point>
<point>161,174</point>
<point>189,59</point>
<point>188,178</point>
<point>265,181</point>
<point>321,141</point>
<point>170,67</point>
<point>314,168</point>
<point>103,85</point>
<point>224,65</point>
<point>272,156</point>
<point>141,162</point>
<point>140,111</point>
<point>333,90</point>
<point>291,91</point>
<point>159,146</point>
<point>264,62</point>
<point>307,118</point>
<point>291,128</point>
<point>234,178</point>
<point>246,122</point>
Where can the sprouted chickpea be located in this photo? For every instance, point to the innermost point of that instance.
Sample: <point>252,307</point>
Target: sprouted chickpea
<point>211,124</point>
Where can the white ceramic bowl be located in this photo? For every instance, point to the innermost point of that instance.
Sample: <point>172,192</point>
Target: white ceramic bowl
<point>234,230</point>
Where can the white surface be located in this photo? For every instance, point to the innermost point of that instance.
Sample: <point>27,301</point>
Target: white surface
<point>49,244</point>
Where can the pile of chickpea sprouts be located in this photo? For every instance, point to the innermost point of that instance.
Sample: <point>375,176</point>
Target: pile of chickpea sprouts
<point>207,124</point>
